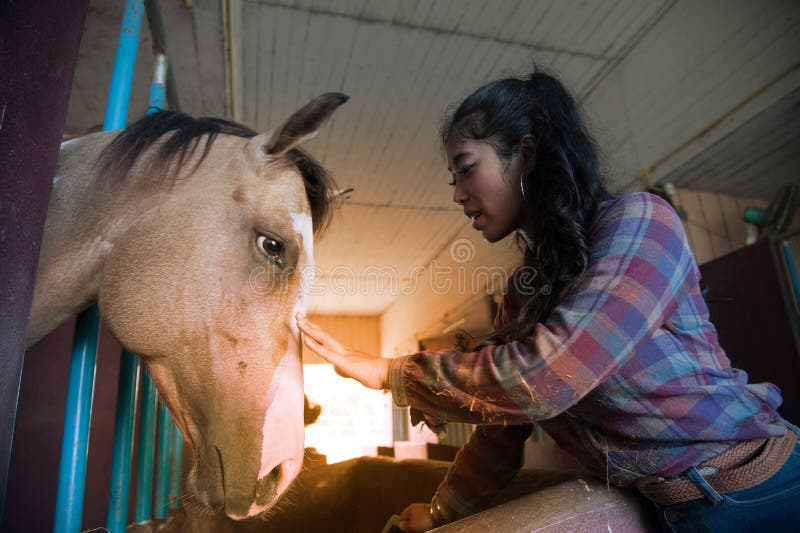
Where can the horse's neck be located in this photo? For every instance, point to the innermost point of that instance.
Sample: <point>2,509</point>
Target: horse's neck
<point>80,229</point>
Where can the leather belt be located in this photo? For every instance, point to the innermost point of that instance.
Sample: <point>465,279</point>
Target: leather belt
<point>744,466</point>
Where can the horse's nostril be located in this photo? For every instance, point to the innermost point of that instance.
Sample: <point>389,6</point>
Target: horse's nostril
<point>268,485</point>
<point>275,475</point>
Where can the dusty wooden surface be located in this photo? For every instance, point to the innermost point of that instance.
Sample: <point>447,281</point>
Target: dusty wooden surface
<point>360,495</point>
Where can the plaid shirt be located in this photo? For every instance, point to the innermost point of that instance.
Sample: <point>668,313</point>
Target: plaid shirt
<point>626,373</point>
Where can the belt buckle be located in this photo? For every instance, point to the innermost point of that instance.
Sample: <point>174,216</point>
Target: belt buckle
<point>706,470</point>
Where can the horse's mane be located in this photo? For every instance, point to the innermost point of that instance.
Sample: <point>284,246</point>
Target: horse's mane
<point>186,133</point>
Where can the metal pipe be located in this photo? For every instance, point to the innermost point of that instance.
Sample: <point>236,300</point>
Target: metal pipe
<point>793,276</point>
<point>147,438</point>
<point>123,443</point>
<point>157,103</point>
<point>157,87</point>
<point>162,466</point>
<point>119,94</point>
<point>77,418</point>
<point>787,235</point>
<point>156,24</point>
<point>176,457</point>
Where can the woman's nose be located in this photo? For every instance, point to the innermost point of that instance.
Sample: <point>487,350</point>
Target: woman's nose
<point>459,195</point>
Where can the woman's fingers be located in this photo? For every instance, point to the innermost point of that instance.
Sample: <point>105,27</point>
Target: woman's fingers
<point>369,370</point>
<point>321,350</point>
<point>319,334</point>
<point>326,346</point>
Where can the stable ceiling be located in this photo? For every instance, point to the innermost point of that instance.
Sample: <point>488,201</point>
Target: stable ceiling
<point>403,62</point>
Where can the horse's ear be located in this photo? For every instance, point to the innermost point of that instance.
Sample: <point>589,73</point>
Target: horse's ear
<point>302,125</point>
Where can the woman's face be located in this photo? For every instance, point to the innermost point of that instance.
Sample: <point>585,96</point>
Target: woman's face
<point>486,186</point>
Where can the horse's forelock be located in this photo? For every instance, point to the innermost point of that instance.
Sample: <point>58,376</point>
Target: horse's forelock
<point>121,154</point>
<point>320,188</point>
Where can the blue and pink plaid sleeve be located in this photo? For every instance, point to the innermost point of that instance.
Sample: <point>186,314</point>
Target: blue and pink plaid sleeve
<point>640,268</point>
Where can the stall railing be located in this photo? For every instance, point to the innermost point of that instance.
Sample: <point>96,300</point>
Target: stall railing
<point>80,390</point>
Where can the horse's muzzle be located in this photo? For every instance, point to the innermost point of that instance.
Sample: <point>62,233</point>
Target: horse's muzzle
<point>241,505</point>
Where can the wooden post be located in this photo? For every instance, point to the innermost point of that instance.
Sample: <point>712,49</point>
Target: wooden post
<point>38,50</point>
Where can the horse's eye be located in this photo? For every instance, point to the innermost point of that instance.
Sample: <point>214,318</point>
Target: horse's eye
<point>272,248</point>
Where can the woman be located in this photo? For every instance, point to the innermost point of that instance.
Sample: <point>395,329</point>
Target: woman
<point>603,337</point>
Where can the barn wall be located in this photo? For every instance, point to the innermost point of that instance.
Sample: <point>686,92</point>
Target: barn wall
<point>714,223</point>
<point>361,332</point>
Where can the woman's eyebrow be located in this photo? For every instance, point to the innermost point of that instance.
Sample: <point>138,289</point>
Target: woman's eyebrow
<point>458,158</point>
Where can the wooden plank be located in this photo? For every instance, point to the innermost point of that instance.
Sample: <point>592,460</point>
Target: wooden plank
<point>715,224</point>
<point>734,224</point>
<point>690,229</point>
<point>37,60</point>
<point>696,225</point>
<point>678,201</point>
<point>361,332</point>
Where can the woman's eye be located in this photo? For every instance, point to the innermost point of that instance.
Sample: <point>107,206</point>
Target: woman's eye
<point>465,170</point>
<point>272,248</point>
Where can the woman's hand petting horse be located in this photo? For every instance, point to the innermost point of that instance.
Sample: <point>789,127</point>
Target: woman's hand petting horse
<point>369,370</point>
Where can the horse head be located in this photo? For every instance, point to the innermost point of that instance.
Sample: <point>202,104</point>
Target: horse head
<point>204,284</point>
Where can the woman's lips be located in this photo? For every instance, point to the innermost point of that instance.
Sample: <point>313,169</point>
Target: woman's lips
<point>477,221</point>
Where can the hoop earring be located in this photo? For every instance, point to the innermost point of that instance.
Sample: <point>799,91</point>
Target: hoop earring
<point>522,186</point>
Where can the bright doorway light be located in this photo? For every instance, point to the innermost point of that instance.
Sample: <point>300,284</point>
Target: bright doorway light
<point>353,419</point>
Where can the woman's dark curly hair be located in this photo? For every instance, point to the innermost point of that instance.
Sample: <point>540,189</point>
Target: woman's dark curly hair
<point>563,183</point>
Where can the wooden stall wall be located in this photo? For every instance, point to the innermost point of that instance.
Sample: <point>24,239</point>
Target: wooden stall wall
<point>362,332</point>
<point>714,223</point>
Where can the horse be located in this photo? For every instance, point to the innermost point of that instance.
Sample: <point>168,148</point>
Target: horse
<point>195,237</point>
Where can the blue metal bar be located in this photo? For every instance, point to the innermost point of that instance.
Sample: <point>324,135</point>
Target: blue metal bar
<point>790,264</point>
<point>119,94</point>
<point>147,437</point>
<point>158,90</point>
<point>123,443</point>
<point>77,418</point>
<point>162,466</point>
<point>176,458</point>
<point>158,96</point>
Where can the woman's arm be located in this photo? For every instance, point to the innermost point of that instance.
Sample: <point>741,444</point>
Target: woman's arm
<point>640,269</point>
<point>482,468</point>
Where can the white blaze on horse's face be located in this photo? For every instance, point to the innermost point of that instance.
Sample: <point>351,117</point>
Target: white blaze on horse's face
<point>279,420</point>
<point>205,287</point>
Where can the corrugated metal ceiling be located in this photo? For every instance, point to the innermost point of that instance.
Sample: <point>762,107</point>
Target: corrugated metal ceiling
<point>755,160</point>
<point>403,63</point>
